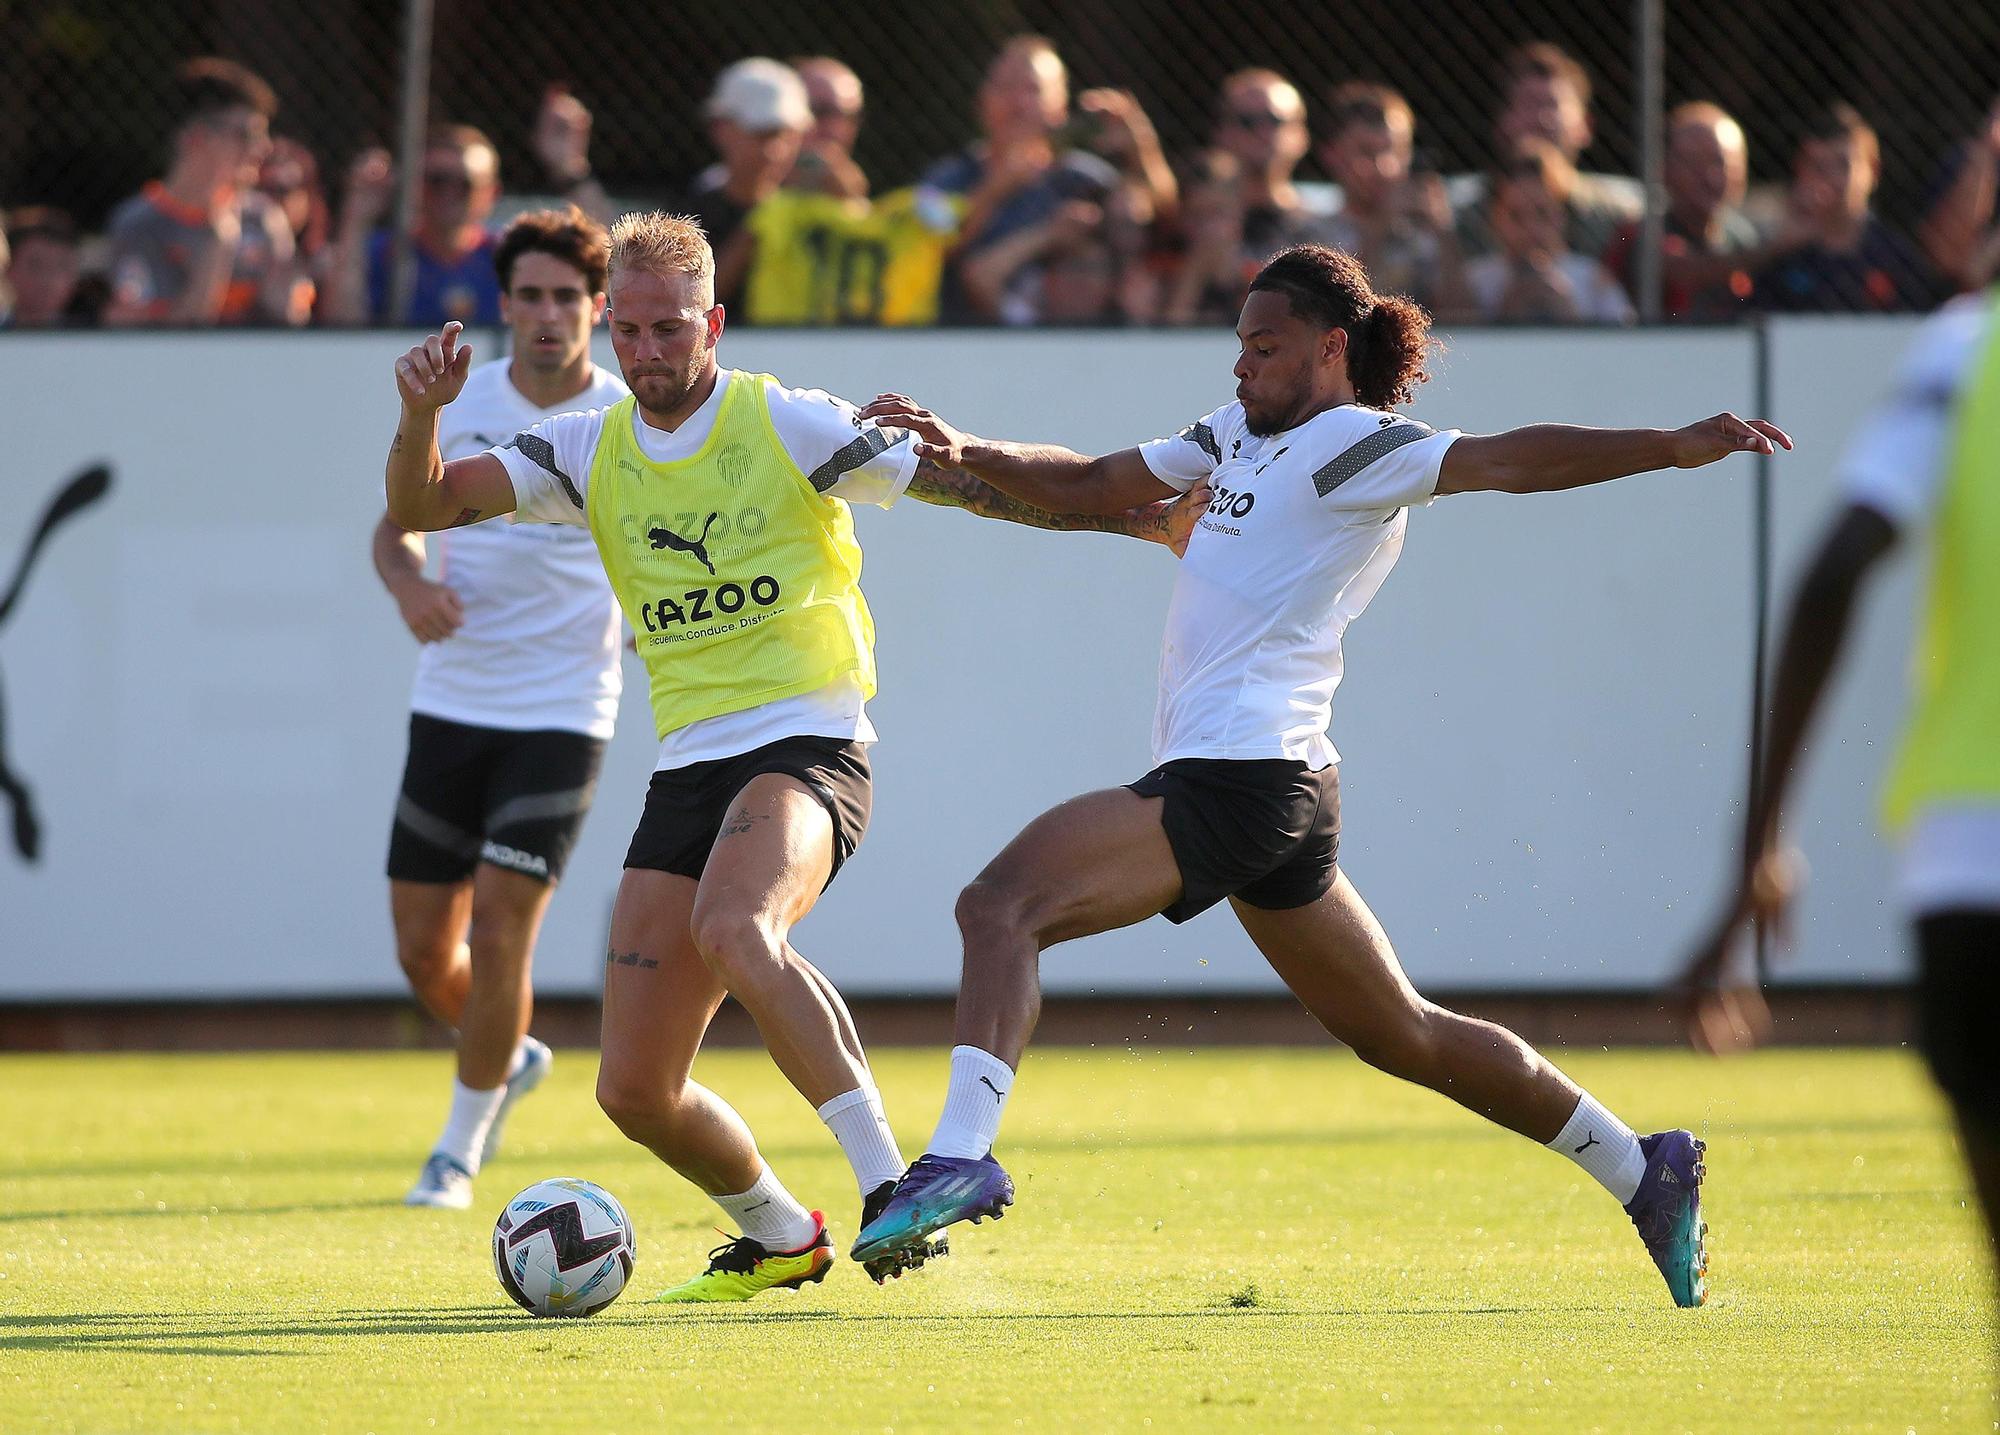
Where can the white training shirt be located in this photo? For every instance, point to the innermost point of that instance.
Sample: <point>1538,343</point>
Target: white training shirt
<point>1304,527</point>
<point>816,429</point>
<point>539,647</point>
<point>1895,465</point>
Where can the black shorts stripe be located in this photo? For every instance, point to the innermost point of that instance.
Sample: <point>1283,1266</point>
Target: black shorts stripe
<point>434,829</point>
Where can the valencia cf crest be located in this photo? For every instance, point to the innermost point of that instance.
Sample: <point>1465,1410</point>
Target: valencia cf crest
<point>734,464</point>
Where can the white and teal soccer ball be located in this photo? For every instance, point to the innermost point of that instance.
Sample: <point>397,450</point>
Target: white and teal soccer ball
<point>564,1246</point>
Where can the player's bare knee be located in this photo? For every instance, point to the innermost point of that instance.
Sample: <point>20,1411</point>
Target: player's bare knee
<point>426,961</point>
<point>642,1109</point>
<point>990,910</point>
<point>1408,1045</point>
<point>741,949</point>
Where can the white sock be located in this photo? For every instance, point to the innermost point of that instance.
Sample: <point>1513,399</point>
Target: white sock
<point>472,1113</point>
<point>1604,1146</point>
<point>859,1124</point>
<point>768,1215</point>
<point>973,1102</point>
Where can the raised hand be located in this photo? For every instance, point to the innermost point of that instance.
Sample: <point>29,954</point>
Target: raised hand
<point>432,374</point>
<point>936,440</point>
<point>1712,439</point>
<point>371,185</point>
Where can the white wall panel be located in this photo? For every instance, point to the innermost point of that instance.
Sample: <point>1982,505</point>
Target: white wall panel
<point>1543,720</point>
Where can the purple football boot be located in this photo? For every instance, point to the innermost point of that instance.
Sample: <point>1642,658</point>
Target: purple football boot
<point>934,1193</point>
<point>1667,1210</point>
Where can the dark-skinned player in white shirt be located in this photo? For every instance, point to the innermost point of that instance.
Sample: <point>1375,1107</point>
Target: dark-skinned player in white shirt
<point>1313,472</point>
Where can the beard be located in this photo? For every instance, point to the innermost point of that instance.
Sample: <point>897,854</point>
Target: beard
<point>1277,414</point>
<point>662,390</point>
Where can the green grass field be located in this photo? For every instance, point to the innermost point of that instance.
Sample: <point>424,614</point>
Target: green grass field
<point>1225,1240</point>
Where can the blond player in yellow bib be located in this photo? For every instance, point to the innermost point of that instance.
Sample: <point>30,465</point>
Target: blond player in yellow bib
<point>1926,461</point>
<point>719,503</point>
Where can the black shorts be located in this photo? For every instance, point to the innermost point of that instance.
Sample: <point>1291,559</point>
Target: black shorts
<point>1265,831</point>
<point>685,805</point>
<point>485,794</point>
<point>1958,983</point>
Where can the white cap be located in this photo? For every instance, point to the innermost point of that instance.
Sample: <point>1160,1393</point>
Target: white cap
<point>760,94</point>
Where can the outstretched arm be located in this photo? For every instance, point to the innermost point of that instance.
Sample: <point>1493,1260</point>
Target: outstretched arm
<point>1821,616</point>
<point>424,492</point>
<point>1043,476</point>
<point>1167,521</point>
<point>1545,457</point>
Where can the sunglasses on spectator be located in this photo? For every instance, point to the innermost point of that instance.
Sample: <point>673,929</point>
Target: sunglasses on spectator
<point>1254,119</point>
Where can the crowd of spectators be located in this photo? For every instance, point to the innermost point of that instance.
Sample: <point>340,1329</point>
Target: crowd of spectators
<point>1065,210</point>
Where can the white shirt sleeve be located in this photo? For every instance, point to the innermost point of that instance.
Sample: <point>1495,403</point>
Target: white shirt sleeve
<point>550,467</point>
<point>1392,465</point>
<point>843,455</point>
<point>1184,459</point>
<point>1895,461</point>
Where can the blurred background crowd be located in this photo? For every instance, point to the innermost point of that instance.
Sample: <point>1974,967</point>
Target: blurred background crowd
<point>937,166</point>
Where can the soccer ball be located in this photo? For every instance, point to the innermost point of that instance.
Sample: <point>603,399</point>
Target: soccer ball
<point>563,1247</point>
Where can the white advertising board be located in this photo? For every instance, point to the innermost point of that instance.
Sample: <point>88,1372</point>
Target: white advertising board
<point>1543,722</point>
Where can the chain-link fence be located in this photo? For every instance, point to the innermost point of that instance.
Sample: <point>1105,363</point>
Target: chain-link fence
<point>1540,161</point>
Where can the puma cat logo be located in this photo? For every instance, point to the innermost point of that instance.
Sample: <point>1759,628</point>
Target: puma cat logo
<point>667,538</point>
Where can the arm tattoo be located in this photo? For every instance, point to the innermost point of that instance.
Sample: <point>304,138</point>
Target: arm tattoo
<point>616,958</point>
<point>465,516</point>
<point>955,488</point>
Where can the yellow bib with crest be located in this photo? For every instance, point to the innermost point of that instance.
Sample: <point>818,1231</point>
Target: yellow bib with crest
<point>741,581</point>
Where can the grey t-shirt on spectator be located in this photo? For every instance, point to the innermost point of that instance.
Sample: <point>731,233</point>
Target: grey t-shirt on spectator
<point>154,242</point>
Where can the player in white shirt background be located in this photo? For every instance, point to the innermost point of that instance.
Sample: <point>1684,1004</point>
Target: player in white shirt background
<point>719,504</point>
<point>1928,459</point>
<point>1313,473</point>
<point>515,698</point>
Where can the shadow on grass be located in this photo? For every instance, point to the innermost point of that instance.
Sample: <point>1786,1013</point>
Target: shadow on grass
<point>194,1333</point>
<point>120,1213</point>
<point>1207,1314</point>
<point>592,1157</point>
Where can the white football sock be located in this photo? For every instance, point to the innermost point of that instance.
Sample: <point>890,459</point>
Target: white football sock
<point>472,1113</point>
<point>973,1103</point>
<point>768,1215</point>
<point>859,1124</point>
<point>1604,1146</point>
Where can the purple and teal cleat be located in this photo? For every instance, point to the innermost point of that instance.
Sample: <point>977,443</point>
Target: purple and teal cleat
<point>1667,1210</point>
<point>937,1191</point>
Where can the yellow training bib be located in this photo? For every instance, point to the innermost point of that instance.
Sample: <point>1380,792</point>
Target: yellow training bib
<point>1951,749</point>
<point>740,580</point>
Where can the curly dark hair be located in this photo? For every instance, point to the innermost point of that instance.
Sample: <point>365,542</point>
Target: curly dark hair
<point>1388,335</point>
<point>566,234</point>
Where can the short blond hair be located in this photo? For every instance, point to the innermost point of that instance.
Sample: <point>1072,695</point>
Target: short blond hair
<point>657,243</point>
